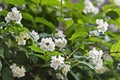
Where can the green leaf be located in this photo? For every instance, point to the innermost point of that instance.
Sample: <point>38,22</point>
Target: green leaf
<point>50,2</point>
<point>45,22</point>
<point>35,48</point>
<point>79,35</point>
<point>15,2</point>
<point>7,74</point>
<point>85,63</point>
<point>0,65</point>
<point>16,29</point>
<point>114,15</point>
<point>1,52</point>
<point>69,22</point>
<point>3,13</point>
<point>36,1</point>
<point>27,16</point>
<point>115,50</point>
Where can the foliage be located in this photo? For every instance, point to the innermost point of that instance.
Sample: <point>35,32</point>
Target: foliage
<point>46,17</point>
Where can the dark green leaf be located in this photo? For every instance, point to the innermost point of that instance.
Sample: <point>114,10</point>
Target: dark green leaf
<point>0,65</point>
<point>114,15</point>
<point>1,52</point>
<point>7,74</point>
<point>45,22</point>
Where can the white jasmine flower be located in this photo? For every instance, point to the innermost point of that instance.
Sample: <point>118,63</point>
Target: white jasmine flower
<point>47,44</point>
<point>102,26</point>
<point>98,63</point>
<point>56,61</point>
<point>107,38</point>
<point>101,69</point>
<point>95,54</point>
<point>14,15</point>
<point>89,8</point>
<point>99,2</point>
<point>60,42</point>
<point>59,34</point>
<point>65,68</point>
<point>96,60</point>
<point>117,2</point>
<point>17,71</point>
<point>59,76</point>
<point>95,33</point>
<point>35,35</point>
<point>22,38</point>
<point>1,8</point>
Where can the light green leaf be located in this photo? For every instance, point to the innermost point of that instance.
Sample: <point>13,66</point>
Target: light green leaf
<point>27,16</point>
<point>79,35</point>
<point>15,2</point>
<point>115,50</point>
<point>50,2</point>
<point>16,29</point>
<point>35,48</point>
<point>36,1</point>
<point>69,22</point>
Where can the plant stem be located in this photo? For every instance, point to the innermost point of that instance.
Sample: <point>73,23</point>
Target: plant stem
<point>73,52</point>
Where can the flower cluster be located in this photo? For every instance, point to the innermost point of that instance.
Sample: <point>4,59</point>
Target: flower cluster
<point>58,63</point>
<point>17,71</point>
<point>60,40</point>
<point>22,38</point>
<point>47,44</point>
<point>89,8</point>
<point>14,15</point>
<point>101,28</point>
<point>96,59</point>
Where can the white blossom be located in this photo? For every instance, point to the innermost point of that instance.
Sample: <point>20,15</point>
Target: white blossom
<point>107,38</point>
<point>56,61</point>
<point>65,68</point>
<point>59,34</point>
<point>17,71</point>
<point>99,2</point>
<point>1,8</point>
<point>101,70</point>
<point>35,35</point>
<point>117,2</point>
<point>60,42</point>
<point>47,44</point>
<point>59,76</point>
<point>89,8</point>
<point>95,33</point>
<point>96,60</point>
<point>22,38</point>
<point>102,26</point>
<point>95,54</point>
<point>14,15</point>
